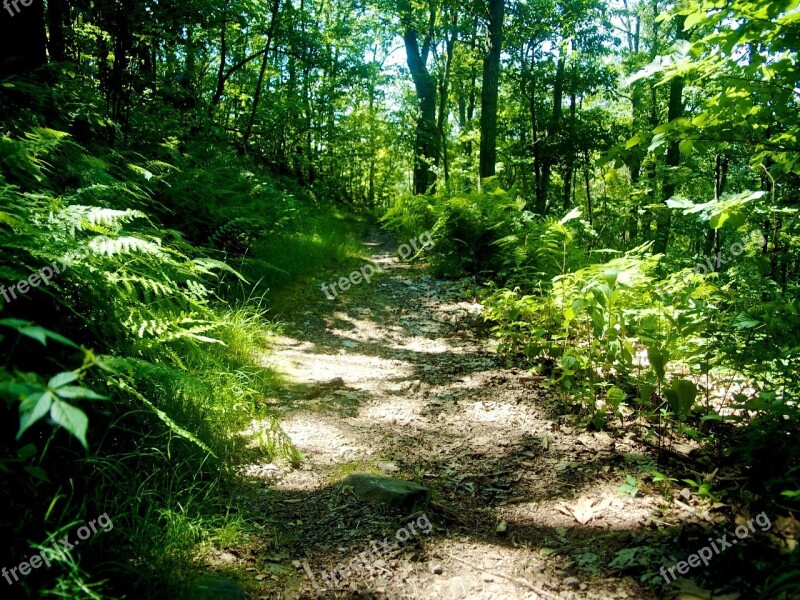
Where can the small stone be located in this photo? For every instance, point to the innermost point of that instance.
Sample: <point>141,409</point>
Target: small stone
<point>437,569</point>
<point>584,587</point>
<point>572,582</point>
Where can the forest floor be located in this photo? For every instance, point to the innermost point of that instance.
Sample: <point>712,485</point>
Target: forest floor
<point>398,377</point>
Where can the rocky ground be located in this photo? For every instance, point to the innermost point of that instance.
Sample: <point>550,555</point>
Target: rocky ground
<point>398,377</point>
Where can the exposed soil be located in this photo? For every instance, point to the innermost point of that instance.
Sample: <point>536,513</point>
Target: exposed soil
<point>398,377</point>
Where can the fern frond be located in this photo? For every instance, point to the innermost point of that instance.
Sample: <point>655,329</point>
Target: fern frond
<point>124,245</point>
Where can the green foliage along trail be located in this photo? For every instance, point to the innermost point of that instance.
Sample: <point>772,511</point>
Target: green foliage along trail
<point>615,185</point>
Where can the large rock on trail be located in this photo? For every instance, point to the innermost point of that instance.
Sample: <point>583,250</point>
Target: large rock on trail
<point>388,492</point>
<point>211,587</point>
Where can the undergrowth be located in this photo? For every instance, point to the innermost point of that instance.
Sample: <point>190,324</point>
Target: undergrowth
<point>132,376</point>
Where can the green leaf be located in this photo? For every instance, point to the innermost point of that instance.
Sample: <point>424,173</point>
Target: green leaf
<point>682,396</point>
<point>694,19</point>
<point>32,409</point>
<point>658,360</point>
<point>27,451</point>
<point>40,334</point>
<point>624,558</point>
<point>62,379</point>
<point>73,392</point>
<point>611,275</point>
<point>73,419</point>
<point>634,141</point>
<point>615,397</point>
<point>680,202</point>
<point>645,391</point>
<point>35,332</point>
<point>745,321</point>
<point>37,472</point>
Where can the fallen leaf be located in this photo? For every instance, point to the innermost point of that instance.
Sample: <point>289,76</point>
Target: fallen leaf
<point>586,509</point>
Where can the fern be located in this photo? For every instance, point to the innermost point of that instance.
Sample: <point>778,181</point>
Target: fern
<point>135,288</point>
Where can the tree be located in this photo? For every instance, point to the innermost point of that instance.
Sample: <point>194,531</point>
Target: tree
<point>489,92</point>
<point>427,147</point>
<point>23,40</point>
<point>675,111</point>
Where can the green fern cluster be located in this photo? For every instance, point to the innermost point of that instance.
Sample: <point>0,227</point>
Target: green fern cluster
<point>125,286</point>
<point>236,237</point>
<point>469,228</point>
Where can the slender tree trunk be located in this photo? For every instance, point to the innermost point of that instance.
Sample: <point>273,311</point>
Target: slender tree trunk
<point>444,85</point>
<point>587,182</point>
<point>123,44</point>
<point>553,129</point>
<point>466,110</point>
<point>664,222</point>
<point>536,146</point>
<point>262,72</point>
<point>55,29</point>
<point>570,147</point>
<point>720,181</point>
<point>223,58</point>
<point>490,89</point>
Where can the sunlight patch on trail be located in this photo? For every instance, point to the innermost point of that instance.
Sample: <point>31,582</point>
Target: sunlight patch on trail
<point>322,441</point>
<point>394,410</point>
<point>602,507</point>
<point>492,412</point>
<point>307,363</point>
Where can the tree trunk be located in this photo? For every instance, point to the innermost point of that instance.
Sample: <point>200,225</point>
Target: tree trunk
<point>55,26</point>
<point>536,143</point>
<point>223,57</point>
<point>675,111</point>
<point>444,84</point>
<point>426,144</point>
<point>489,91</point>
<point>570,147</point>
<point>720,180</point>
<point>23,40</point>
<point>119,85</point>
<point>553,129</point>
<point>264,62</point>
<point>587,182</point>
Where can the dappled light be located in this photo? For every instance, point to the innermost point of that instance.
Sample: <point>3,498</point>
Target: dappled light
<point>408,300</point>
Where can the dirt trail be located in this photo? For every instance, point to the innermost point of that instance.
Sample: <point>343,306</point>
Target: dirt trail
<point>391,377</point>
